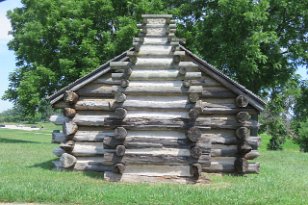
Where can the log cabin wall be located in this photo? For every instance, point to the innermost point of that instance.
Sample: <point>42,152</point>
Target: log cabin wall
<point>156,114</point>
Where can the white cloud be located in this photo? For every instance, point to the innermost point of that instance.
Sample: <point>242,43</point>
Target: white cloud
<point>5,28</point>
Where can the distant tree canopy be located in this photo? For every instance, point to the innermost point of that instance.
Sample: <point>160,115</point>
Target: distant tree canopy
<point>257,42</point>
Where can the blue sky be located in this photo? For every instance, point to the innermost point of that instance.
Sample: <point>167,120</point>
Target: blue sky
<point>7,58</point>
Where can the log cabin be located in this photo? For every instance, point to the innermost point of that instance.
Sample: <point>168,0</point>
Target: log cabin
<point>156,112</point>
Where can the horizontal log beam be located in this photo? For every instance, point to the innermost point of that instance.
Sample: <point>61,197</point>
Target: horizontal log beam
<point>97,90</point>
<point>58,137</point>
<point>58,119</point>
<point>148,158</point>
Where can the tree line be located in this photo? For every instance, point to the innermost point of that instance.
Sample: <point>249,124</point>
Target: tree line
<point>259,43</point>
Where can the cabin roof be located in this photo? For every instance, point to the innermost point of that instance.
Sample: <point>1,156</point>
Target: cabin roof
<point>253,99</point>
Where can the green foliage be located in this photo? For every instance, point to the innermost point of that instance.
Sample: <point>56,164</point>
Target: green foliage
<point>275,118</point>
<point>302,139</point>
<point>258,43</point>
<point>301,105</point>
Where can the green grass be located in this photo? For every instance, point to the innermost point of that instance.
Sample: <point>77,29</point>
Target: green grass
<point>26,175</point>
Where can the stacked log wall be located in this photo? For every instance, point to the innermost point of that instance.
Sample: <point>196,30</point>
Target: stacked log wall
<point>158,114</point>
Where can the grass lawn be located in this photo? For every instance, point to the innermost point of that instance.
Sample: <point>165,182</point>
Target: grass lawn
<point>26,175</point>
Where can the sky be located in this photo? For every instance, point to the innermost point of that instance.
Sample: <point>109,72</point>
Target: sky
<point>7,58</point>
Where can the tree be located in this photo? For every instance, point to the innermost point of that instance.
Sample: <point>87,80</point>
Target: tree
<point>258,43</point>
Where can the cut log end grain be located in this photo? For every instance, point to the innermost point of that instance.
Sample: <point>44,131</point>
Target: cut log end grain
<point>242,133</point>
<point>243,116</point>
<point>194,113</point>
<point>196,170</point>
<point>195,152</point>
<point>69,112</point>
<point>120,133</point>
<point>67,146</point>
<point>58,151</point>
<point>70,97</point>
<point>193,97</point>
<point>119,168</point>
<point>120,97</point>
<point>120,113</point>
<point>70,128</point>
<point>124,83</point>
<point>67,160</point>
<point>120,150</point>
<point>193,134</point>
<point>241,101</point>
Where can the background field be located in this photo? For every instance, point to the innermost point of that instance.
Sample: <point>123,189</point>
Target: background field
<point>26,175</point>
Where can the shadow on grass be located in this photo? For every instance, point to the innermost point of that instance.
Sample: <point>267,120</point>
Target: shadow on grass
<point>44,165</point>
<point>48,165</point>
<point>7,140</point>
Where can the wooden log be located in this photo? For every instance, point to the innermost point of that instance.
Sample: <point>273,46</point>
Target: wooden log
<point>226,111</point>
<point>58,151</point>
<point>69,112</point>
<point>124,83</point>
<point>96,90</point>
<point>242,133</point>
<point>243,116</point>
<point>70,128</point>
<point>88,104</point>
<point>253,168</point>
<point>240,165</point>
<point>194,113</point>
<point>119,168</point>
<point>154,121</point>
<point>70,97</point>
<point>225,151</point>
<point>67,146</point>
<point>155,159</point>
<point>61,105</point>
<point>157,170</point>
<point>58,119</point>
<point>196,170</point>
<point>89,149</point>
<point>193,134</point>
<point>195,152</point>
<point>120,133</point>
<point>119,97</point>
<point>254,142</point>
<point>67,160</point>
<point>120,113</point>
<point>193,97</point>
<point>92,136</point>
<point>217,92</point>
<point>58,137</point>
<point>244,148</point>
<point>120,150</point>
<point>92,164</point>
<point>161,75</point>
<point>165,88</point>
<point>241,101</point>
<point>252,155</point>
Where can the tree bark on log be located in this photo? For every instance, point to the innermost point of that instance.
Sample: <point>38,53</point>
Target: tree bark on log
<point>69,112</point>
<point>58,137</point>
<point>67,160</point>
<point>70,97</point>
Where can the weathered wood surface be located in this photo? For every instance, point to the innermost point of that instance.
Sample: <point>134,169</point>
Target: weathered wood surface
<point>70,128</point>
<point>58,137</point>
<point>96,90</point>
<point>161,159</point>
<point>226,165</point>
<point>58,119</point>
<point>69,112</point>
<point>92,164</point>
<point>157,170</point>
<point>114,177</point>
<point>70,97</point>
<point>94,104</point>
<point>61,104</point>
<point>163,88</point>
<point>154,118</point>
<point>160,75</point>
<point>67,160</point>
<point>90,149</point>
